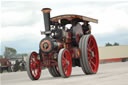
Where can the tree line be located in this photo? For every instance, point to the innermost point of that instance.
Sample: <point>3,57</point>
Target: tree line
<point>109,44</point>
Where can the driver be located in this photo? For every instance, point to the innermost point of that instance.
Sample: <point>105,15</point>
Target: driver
<point>76,28</point>
<point>86,28</point>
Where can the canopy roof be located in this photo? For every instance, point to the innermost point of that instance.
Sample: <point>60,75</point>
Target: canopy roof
<point>69,17</point>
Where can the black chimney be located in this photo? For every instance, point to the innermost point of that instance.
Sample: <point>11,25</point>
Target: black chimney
<point>46,12</point>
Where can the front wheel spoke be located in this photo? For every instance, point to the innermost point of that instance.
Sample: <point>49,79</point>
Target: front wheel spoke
<point>38,70</point>
<point>33,56</point>
<point>32,59</point>
<point>37,62</point>
<point>34,73</point>
<point>66,67</point>
<point>32,66</point>
<point>63,58</point>
<point>63,62</point>
<point>36,58</point>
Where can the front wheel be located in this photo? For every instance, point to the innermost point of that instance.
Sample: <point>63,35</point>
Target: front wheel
<point>34,66</point>
<point>64,63</point>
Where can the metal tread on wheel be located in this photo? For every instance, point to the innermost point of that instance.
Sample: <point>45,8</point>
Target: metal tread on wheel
<point>89,59</point>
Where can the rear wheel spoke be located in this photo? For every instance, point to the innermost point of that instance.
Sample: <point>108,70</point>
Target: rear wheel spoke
<point>92,47</point>
<point>93,64</point>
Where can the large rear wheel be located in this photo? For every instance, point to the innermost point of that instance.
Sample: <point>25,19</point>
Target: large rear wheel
<point>89,59</point>
<point>34,66</point>
<point>64,63</point>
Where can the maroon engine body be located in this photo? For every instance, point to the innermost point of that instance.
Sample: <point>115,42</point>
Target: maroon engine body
<point>64,48</point>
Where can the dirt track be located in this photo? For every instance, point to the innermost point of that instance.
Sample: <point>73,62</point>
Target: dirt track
<point>108,74</point>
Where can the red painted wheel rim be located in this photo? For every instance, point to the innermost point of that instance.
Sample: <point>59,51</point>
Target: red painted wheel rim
<point>35,65</point>
<point>93,56</point>
<point>66,63</point>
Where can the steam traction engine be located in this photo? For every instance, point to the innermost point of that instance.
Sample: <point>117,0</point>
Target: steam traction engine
<point>63,48</point>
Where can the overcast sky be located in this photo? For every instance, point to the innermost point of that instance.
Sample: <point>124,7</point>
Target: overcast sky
<point>22,21</point>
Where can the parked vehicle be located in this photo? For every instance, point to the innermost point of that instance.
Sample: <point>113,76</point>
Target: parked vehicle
<point>5,64</point>
<point>19,66</point>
